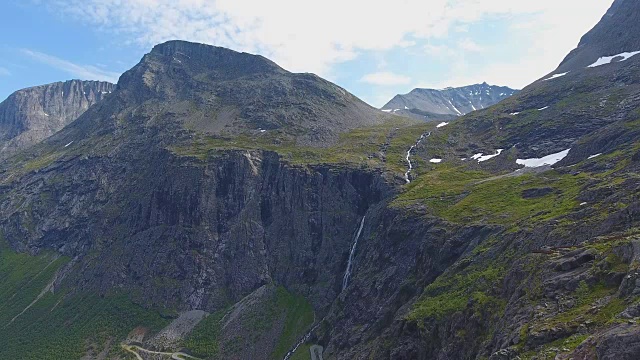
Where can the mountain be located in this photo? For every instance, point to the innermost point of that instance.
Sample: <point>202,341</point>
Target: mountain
<point>151,228</point>
<point>609,37</point>
<point>31,115</point>
<point>222,92</point>
<point>449,103</point>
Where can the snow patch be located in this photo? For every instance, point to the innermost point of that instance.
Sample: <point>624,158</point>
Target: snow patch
<point>594,156</point>
<point>387,110</point>
<point>442,124</point>
<point>544,108</point>
<point>608,59</point>
<point>455,108</point>
<point>483,158</point>
<point>69,144</point>
<point>435,161</point>
<point>514,113</point>
<point>556,76</point>
<point>547,160</point>
<point>583,204</point>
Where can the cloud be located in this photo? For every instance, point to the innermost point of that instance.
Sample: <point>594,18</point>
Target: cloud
<point>470,46</point>
<point>386,79</point>
<point>4,71</point>
<point>84,72</point>
<point>305,35</point>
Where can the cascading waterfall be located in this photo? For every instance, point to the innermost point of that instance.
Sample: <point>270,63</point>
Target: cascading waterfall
<point>406,175</point>
<point>345,282</point>
<point>347,273</point>
<point>302,341</point>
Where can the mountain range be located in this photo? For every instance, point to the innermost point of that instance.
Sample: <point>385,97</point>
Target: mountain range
<point>447,104</point>
<point>216,206</point>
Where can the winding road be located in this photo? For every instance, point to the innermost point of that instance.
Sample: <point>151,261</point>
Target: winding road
<point>174,356</point>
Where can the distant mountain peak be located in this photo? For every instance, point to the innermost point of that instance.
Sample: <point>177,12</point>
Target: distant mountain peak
<point>30,115</point>
<point>448,103</point>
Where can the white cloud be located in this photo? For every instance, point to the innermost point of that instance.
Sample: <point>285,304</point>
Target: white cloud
<point>386,79</point>
<point>470,46</point>
<point>84,72</point>
<point>313,36</point>
<point>4,71</point>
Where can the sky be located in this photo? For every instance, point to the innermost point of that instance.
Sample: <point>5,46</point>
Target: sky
<point>375,49</point>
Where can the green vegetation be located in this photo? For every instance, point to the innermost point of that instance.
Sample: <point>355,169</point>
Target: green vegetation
<point>452,293</point>
<point>373,147</point>
<point>303,353</point>
<point>204,339</point>
<point>281,313</point>
<point>60,324</point>
<point>461,195</point>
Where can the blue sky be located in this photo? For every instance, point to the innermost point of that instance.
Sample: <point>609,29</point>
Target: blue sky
<point>373,48</point>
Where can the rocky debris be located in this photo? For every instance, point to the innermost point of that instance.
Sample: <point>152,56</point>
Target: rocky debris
<point>169,337</point>
<point>31,115</point>
<point>574,259</point>
<point>619,343</point>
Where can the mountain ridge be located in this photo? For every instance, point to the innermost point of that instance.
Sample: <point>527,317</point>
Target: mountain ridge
<point>448,103</point>
<point>31,115</point>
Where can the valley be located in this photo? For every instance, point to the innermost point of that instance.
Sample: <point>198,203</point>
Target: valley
<point>217,206</point>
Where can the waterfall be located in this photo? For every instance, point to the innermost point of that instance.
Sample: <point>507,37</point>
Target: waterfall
<point>302,341</point>
<point>347,273</point>
<point>406,175</point>
<point>345,282</point>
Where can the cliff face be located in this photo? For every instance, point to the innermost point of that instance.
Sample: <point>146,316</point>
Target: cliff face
<point>146,214</point>
<point>31,115</point>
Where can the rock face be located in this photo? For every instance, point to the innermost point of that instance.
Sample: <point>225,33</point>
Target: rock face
<point>611,36</point>
<point>31,115</point>
<point>463,263</point>
<point>223,92</point>
<point>430,104</point>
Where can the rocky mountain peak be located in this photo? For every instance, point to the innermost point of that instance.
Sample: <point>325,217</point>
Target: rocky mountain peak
<point>31,115</point>
<point>448,103</point>
<point>615,34</point>
<point>224,92</point>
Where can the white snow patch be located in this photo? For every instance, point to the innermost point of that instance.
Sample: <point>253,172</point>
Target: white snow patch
<point>387,110</point>
<point>442,124</point>
<point>435,161</point>
<point>583,204</point>
<point>547,160</point>
<point>514,113</point>
<point>463,159</point>
<point>556,76</point>
<point>45,114</point>
<point>473,107</point>
<point>406,108</point>
<point>455,108</point>
<point>263,131</point>
<point>482,158</point>
<point>544,108</point>
<point>594,156</point>
<point>608,59</point>
<point>69,144</point>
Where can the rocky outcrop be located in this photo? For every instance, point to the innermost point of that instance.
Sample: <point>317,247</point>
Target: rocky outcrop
<point>609,37</point>
<point>31,115</point>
